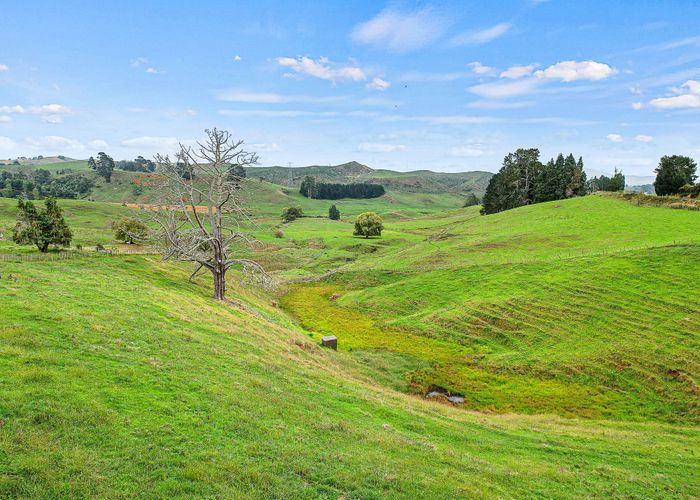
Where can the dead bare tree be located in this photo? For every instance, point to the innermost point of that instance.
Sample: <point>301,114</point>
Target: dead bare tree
<point>198,214</point>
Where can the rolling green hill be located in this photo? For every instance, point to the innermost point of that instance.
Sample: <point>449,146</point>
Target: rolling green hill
<point>570,328</point>
<point>420,181</point>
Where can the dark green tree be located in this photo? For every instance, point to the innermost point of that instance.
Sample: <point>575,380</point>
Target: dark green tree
<point>333,213</point>
<point>514,184</point>
<point>41,228</point>
<point>92,164</point>
<point>105,166</point>
<point>673,173</point>
<point>368,224</point>
<point>291,213</point>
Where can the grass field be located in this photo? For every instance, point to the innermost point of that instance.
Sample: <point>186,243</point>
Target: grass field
<point>571,329</point>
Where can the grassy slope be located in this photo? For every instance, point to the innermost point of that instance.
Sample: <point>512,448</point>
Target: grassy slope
<point>119,378</point>
<point>539,309</point>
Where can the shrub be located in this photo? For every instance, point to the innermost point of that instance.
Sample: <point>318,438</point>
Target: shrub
<point>333,213</point>
<point>292,213</point>
<point>128,229</point>
<point>279,233</point>
<point>368,224</point>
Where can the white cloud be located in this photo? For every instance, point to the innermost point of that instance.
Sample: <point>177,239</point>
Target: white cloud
<point>5,119</point>
<point>51,144</point>
<point>378,84</point>
<point>149,142</point>
<point>401,31</point>
<point>637,105</point>
<point>98,144</point>
<point>152,71</point>
<point>372,147</point>
<point>190,112</point>
<point>479,68</point>
<point>569,71</point>
<point>139,61</point>
<point>12,109</point>
<point>636,89</point>
<point>50,109</point>
<point>677,102</point>
<point>481,36</point>
<point>265,147</point>
<point>643,138</point>
<point>466,152</point>
<point>237,58</point>
<point>614,137</point>
<point>499,90</point>
<point>689,97</point>
<point>7,144</point>
<point>234,95</point>
<point>322,69</point>
<point>4,67</point>
<point>515,72</point>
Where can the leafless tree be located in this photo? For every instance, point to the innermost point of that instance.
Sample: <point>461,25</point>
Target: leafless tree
<point>198,214</point>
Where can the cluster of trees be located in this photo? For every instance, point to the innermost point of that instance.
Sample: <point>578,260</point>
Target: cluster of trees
<point>39,183</point>
<point>333,191</point>
<point>140,164</point>
<point>471,200</point>
<point>41,227</point>
<point>103,165</point>
<point>523,180</point>
<point>290,214</point>
<point>676,175</point>
<point>605,183</point>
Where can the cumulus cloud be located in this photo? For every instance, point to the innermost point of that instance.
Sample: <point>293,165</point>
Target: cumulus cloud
<point>12,109</point>
<point>689,97</point>
<point>237,58</point>
<point>481,36</point>
<point>373,147</point>
<point>569,71</point>
<point>323,69</point>
<point>637,105</point>
<point>98,144</point>
<point>5,119</point>
<point>55,144</point>
<point>152,71</point>
<point>4,67</point>
<point>51,109</point>
<point>466,152</point>
<point>479,68</point>
<point>499,90</point>
<point>614,137</point>
<point>378,84</point>
<point>643,138</point>
<point>515,72</point>
<point>401,31</point>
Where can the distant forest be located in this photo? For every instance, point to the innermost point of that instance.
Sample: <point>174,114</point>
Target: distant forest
<point>333,191</point>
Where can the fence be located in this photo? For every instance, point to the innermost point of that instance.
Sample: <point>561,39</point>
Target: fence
<point>54,256</point>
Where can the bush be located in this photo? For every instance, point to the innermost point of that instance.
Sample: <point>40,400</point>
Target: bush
<point>368,224</point>
<point>292,213</point>
<point>333,213</point>
<point>128,229</point>
<point>279,233</point>
<point>471,200</point>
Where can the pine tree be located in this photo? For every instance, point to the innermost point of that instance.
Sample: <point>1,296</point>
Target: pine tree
<point>333,213</point>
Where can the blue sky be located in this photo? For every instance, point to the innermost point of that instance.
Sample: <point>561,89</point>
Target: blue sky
<point>447,86</point>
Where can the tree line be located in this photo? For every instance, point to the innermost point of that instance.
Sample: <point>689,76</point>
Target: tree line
<point>40,183</point>
<point>311,188</point>
<point>523,180</point>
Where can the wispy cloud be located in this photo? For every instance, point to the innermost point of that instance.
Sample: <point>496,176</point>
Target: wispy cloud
<point>266,113</point>
<point>236,95</point>
<point>480,36</point>
<point>499,90</point>
<point>4,67</point>
<point>466,152</point>
<point>5,119</point>
<point>417,76</point>
<point>12,109</point>
<point>322,68</point>
<point>643,138</point>
<point>515,72</point>
<point>373,147</point>
<point>480,69</point>
<point>401,31</point>
<point>614,137</point>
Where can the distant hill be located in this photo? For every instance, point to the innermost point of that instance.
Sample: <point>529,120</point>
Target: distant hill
<point>420,181</point>
<point>44,160</point>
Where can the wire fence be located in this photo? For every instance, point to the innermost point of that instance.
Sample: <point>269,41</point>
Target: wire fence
<point>56,256</point>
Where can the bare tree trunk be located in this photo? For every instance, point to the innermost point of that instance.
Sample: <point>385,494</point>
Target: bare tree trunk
<point>219,283</point>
